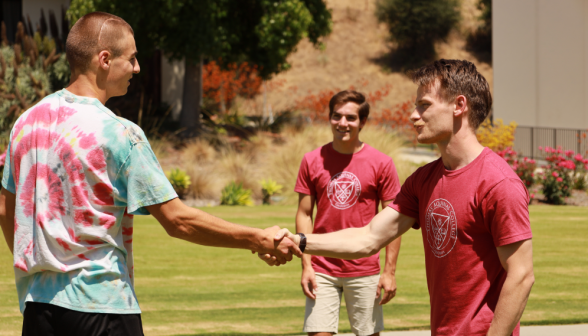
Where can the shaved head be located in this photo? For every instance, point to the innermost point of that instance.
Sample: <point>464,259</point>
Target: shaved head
<point>93,33</point>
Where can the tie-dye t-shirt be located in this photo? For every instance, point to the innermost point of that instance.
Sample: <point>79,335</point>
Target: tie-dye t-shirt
<point>79,174</point>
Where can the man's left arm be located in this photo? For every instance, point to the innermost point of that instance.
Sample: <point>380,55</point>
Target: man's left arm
<point>388,277</point>
<point>517,260</point>
<point>7,206</point>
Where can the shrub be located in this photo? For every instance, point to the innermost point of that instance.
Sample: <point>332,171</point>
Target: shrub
<point>524,168</point>
<point>415,25</point>
<point>497,137</point>
<point>480,41</point>
<point>235,194</point>
<point>179,180</point>
<point>558,175</point>
<point>269,188</point>
<point>28,72</point>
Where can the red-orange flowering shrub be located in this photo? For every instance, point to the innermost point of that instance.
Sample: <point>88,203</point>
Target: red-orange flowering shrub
<point>222,86</point>
<point>399,120</point>
<point>316,106</point>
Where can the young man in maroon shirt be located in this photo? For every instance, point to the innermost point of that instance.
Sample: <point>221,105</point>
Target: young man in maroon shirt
<point>471,206</point>
<point>346,179</point>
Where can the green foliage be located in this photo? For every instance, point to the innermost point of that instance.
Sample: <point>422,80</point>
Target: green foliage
<point>479,42</point>
<point>235,194</point>
<point>269,188</point>
<point>59,73</point>
<point>415,25</point>
<point>180,180</point>
<point>20,88</point>
<point>261,32</point>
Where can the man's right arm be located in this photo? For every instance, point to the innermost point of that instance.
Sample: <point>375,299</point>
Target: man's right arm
<point>355,243</point>
<point>304,225</point>
<point>196,226</point>
<point>7,206</point>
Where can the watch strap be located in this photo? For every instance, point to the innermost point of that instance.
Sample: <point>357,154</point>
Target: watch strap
<point>302,244</point>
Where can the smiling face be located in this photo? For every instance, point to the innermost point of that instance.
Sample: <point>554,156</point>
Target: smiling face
<point>432,116</point>
<point>122,68</point>
<point>345,122</point>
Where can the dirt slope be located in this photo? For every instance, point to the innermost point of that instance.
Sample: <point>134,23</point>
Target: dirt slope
<point>349,58</point>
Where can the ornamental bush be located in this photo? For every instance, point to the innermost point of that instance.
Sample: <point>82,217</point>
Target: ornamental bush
<point>180,181</point>
<point>563,168</point>
<point>497,136</point>
<point>269,188</point>
<point>524,168</point>
<point>235,194</point>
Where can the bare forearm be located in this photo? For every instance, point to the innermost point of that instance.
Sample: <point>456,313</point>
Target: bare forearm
<point>511,303</point>
<point>392,251</point>
<point>354,243</point>
<point>7,204</point>
<point>198,227</point>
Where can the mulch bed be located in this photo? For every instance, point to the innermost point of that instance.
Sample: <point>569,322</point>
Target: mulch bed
<point>578,198</point>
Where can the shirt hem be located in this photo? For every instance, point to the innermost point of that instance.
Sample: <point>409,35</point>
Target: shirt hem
<point>514,239</point>
<point>85,310</point>
<point>403,211</point>
<point>151,201</point>
<point>345,274</point>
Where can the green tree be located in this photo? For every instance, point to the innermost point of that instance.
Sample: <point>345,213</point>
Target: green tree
<point>415,25</point>
<point>261,32</point>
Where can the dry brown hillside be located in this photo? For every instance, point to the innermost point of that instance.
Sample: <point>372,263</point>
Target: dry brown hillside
<point>349,58</point>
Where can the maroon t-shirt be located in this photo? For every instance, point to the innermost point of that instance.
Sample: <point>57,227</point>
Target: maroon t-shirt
<point>348,189</point>
<point>465,214</point>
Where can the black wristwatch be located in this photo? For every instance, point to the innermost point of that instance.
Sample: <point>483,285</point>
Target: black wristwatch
<point>302,244</point>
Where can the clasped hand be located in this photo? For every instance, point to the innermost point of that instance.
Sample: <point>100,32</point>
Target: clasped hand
<point>276,250</point>
<point>285,244</point>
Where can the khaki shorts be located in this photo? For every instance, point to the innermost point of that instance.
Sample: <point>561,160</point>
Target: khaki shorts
<point>365,314</point>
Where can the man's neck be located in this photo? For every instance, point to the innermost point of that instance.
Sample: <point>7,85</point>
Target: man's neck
<point>460,150</point>
<point>347,147</point>
<point>85,85</point>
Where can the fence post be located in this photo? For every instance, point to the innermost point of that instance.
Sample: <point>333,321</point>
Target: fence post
<point>554,138</point>
<point>579,140</point>
<point>532,143</point>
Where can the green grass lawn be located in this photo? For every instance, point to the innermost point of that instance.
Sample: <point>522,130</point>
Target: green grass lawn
<point>184,289</point>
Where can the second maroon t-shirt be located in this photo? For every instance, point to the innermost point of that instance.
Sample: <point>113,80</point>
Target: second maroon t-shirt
<point>348,189</point>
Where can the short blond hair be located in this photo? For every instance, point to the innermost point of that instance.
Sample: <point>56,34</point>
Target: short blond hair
<point>91,34</point>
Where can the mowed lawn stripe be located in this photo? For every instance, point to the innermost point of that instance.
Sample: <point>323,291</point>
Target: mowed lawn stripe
<point>186,289</point>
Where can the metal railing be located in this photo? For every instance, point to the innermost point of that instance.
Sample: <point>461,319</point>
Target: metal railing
<point>529,139</point>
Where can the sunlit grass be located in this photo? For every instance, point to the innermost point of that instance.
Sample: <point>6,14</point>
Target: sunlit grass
<point>185,289</point>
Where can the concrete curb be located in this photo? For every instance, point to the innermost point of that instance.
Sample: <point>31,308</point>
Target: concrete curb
<point>551,330</point>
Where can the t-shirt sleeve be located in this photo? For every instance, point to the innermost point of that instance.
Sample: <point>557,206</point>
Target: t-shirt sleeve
<point>407,201</point>
<point>506,212</point>
<point>304,183</point>
<point>146,183</point>
<point>7,177</point>
<point>388,182</point>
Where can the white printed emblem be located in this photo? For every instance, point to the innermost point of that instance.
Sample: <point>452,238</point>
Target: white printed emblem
<point>343,190</point>
<point>441,226</point>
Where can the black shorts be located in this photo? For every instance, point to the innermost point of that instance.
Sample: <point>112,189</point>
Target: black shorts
<point>43,319</point>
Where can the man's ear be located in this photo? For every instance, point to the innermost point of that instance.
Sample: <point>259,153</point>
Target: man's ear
<point>461,105</point>
<point>104,60</point>
<point>362,123</point>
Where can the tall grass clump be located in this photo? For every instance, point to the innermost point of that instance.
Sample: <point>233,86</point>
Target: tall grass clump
<point>283,162</point>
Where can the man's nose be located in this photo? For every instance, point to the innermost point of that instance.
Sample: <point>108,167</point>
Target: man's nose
<point>343,121</point>
<point>136,68</point>
<point>414,116</point>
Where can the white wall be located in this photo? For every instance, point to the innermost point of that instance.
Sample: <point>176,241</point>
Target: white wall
<point>33,9</point>
<point>540,56</point>
<point>172,84</point>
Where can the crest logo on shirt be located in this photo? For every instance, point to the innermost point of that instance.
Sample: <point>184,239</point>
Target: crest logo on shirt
<point>441,226</point>
<point>343,190</point>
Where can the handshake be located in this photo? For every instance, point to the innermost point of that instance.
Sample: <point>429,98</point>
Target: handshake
<point>278,245</point>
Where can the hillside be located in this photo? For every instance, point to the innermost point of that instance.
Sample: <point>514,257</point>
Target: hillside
<point>351,54</point>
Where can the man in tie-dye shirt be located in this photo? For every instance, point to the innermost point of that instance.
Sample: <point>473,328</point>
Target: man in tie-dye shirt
<point>74,176</point>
